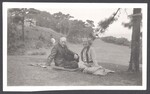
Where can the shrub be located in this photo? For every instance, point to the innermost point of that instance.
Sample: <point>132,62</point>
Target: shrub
<point>42,38</point>
<point>38,45</point>
<point>118,41</point>
<point>74,40</point>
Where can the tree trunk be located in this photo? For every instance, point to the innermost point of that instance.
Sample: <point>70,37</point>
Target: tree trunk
<point>135,42</point>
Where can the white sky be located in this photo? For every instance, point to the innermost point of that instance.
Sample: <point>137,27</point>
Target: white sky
<point>97,14</point>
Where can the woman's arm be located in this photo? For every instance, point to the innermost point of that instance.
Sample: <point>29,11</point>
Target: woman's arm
<point>93,55</point>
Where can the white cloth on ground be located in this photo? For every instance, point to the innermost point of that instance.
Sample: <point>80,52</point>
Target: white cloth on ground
<point>92,69</point>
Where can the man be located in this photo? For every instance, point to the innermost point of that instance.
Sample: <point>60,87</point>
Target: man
<point>53,41</point>
<point>62,56</point>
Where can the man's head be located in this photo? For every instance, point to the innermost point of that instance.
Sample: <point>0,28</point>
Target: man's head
<point>63,41</point>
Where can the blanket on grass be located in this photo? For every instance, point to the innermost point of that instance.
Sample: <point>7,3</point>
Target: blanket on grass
<point>53,67</point>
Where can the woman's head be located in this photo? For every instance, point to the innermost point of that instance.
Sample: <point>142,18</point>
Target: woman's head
<point>87,42</point>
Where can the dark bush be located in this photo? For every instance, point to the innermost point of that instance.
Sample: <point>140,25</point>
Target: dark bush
<point>13,37</point>
<point>42,38</point>
<point>74,40</point>
<point>118,41</point>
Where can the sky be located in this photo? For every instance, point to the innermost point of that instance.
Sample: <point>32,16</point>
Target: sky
<point>97,14</point>
<point>92,11</point>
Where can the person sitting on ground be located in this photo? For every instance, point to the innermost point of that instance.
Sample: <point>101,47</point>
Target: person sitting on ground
<point>53,41</point>
<point>62,56</point>
<point>89,62</point>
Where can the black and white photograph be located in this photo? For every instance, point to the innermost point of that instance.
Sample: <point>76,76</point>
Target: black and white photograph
<point>76,46</point>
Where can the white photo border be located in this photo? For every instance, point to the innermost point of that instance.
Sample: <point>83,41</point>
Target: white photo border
<point>7,5</point>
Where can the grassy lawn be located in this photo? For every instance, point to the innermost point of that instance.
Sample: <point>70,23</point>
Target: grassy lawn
<point>110,56</point>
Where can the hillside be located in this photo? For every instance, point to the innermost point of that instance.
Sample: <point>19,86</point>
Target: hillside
<point>35,37</point>
<point>106,52</point>
<point>36,31</point>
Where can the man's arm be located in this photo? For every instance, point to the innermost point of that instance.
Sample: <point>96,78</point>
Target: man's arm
<point>51,56</point>
<point>75,55</point>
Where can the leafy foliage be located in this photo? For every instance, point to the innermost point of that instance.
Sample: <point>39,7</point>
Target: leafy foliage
<point>61,24</point>
<point>78,30</point>
<point>103,25</point>
<point>118,41</point>
<point>19,15</point>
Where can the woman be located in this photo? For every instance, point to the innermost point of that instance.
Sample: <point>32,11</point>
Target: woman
<point>89,63</point>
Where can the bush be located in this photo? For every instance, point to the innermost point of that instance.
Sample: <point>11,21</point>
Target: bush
<point>39,45</point>
<point>74,40</point>
<point>118,41</point>
<point>109,39</point>
<point>42,38</point>
<point>16,48</point>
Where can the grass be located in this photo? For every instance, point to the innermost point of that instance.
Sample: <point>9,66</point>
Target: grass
<point>20,74</point>
<point>110,56</point>
<point>107,52</point>
<point>36,52</point>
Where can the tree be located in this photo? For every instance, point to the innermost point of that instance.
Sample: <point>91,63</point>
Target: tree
<point>79,29</point>
<point>45,19</point>
<point>135,42</point>
<point>90,23</point>
<point>103,25</point>
<point>20,14</point>
<point>62,22</point>
<point>12,34</point>
<point>135,24</point>
<point>63,26</point>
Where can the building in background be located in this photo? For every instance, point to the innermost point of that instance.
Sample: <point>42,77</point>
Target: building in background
<point>30,22</point>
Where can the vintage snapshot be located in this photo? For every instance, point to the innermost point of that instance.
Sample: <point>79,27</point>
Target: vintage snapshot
<point>76,46</point>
